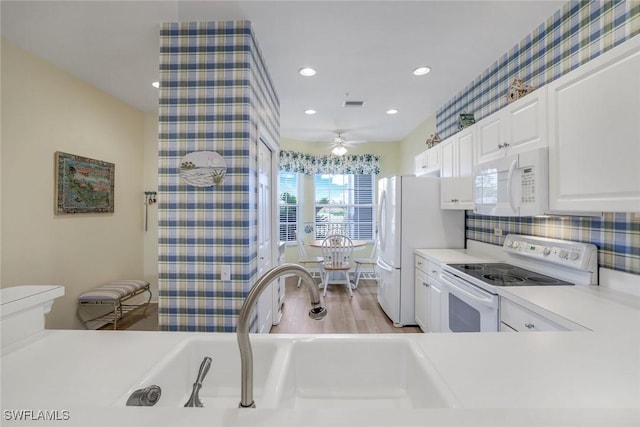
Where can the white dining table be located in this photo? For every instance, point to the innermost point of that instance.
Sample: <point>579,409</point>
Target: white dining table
<point>318,243</point>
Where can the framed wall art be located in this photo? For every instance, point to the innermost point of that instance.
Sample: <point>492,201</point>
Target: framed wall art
<point>83,185</point>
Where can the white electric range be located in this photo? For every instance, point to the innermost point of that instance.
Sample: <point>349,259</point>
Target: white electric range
<point>470,295</point>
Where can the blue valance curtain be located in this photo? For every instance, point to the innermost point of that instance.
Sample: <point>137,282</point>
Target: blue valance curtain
<point>356,164</point>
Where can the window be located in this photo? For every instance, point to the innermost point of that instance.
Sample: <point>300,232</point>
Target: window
<point>288,201</point>
<point>344,204</point>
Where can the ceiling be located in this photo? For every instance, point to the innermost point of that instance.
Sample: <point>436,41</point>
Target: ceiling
<point>362,50</point>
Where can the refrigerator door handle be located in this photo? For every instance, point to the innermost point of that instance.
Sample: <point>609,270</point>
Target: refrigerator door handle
<point>382,234</point>
<point>383,265</point>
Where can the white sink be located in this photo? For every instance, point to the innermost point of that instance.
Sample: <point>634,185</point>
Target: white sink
<point>362,373</point>
<point>176,373</point>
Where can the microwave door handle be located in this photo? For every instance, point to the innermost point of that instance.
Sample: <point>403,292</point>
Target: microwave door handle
<point>482,300</point>
<point>512,168</point>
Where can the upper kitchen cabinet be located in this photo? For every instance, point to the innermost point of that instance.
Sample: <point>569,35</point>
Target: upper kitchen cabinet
<point>521,125</point>
<point>594,134</point>
<point>428,162</point>
<point>456,170</point>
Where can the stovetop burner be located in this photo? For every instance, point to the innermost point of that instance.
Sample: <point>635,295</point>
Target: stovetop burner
<point>501,274</point>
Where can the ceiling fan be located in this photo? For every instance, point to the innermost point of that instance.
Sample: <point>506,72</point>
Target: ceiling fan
<point>340,144</point>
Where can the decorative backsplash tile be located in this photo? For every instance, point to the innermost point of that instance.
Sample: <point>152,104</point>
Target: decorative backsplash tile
<point>616,235</point>
<point>213,82</point>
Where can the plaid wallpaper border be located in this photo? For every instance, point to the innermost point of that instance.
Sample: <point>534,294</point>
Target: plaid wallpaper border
<point>574,35</point>
<point>209,96</point>
<point>616,235</point>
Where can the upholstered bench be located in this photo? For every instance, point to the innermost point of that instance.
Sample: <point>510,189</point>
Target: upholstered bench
<point>112,294</point>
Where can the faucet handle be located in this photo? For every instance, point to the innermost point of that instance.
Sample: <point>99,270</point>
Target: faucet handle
<point>194,399</point>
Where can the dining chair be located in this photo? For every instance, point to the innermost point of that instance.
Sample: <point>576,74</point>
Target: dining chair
<point>312,263</point>
<point>366,267</point>
<point>336,251</point>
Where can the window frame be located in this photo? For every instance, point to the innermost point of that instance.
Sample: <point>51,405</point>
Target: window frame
<point>354,228</point>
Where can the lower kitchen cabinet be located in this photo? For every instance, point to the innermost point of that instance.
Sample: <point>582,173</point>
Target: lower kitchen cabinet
<point>516,318</point>
<point>422,300</point>
<point>427,295</point>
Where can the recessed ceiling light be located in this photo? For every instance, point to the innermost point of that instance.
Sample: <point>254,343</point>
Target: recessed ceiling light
<point>155,84</point>
<point>310,111</point>
<point>392,111</point>
<point>307,72</point>
<point>421,71</point>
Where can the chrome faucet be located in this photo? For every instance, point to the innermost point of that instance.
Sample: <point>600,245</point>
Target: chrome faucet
<point>246,354</point>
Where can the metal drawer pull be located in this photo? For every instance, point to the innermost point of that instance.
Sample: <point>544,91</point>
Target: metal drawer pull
<point>529,325</point>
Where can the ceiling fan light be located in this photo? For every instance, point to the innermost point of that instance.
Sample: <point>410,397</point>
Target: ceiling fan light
<point>421,71</point>
<point>307,71</point>
<point>339,150</point>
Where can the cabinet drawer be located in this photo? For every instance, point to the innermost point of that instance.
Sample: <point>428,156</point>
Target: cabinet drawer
<point>421,263</point>
<point>524,320</point>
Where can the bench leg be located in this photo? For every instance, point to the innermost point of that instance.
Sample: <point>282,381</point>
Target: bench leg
<point>146,306</point>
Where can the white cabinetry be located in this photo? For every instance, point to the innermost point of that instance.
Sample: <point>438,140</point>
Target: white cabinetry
<point>514,317</point>
<point>456,170</point>
<point>427,294</point>
<point>422,292</point>
<point>520,126</point>
<point>427,162</point>
<point>594,136</point>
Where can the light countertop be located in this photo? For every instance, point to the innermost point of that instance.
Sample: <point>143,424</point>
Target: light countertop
<point>492,374</point>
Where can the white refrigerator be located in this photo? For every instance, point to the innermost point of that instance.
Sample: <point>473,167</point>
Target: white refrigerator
<point>410,218</point>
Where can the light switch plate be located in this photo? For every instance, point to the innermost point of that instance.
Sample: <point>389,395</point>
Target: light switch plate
<point>225,272</point>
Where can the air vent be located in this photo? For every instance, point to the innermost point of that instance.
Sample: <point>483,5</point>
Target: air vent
<point>353,103</point>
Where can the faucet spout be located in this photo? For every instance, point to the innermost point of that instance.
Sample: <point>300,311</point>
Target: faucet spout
<point>242,331</point>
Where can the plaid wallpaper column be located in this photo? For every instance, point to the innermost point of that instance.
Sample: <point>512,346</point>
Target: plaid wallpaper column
<point>208,103</point>
<point>577,33</point>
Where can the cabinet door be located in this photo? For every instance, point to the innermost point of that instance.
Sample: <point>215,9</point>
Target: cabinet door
<point>420,165</point>
<point>434,306</point>
<point>464,193</point>
<point>594,138</point>
<point>527,122</point>
<point>489,138</point>
<point>432,159</point>
<point>421,299</point>
<point>447,155</point>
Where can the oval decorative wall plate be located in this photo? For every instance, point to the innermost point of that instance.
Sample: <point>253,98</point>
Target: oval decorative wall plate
<point>203,168</point>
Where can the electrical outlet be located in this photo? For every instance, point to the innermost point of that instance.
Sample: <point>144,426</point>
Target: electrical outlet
<point>225,272</point>
<point>497,232</point>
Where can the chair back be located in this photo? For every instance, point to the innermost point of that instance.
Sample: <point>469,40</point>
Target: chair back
<point>337,250</point>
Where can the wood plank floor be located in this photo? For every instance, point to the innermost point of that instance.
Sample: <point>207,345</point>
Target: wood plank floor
<point>358,315</point>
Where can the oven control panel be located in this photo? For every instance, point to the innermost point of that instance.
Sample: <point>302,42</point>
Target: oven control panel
<point>578,255</point>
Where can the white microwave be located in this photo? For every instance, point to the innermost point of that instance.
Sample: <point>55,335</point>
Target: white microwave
<point>515,185</point>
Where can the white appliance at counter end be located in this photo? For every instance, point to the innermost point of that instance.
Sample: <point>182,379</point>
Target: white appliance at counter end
<point>515,185</point>
<point>410,218</point>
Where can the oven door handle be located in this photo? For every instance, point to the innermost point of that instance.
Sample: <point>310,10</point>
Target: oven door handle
<point>481,299</point>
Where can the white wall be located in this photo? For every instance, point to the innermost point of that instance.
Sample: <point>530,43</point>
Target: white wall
<point>151,184</point>
<point>415,143</point>
<point>45,110</point>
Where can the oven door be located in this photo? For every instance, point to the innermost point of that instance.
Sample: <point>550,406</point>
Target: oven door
<point>467,308</point>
